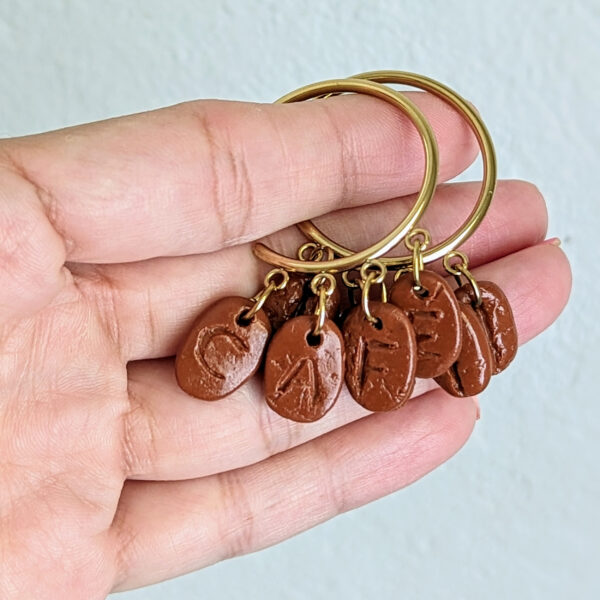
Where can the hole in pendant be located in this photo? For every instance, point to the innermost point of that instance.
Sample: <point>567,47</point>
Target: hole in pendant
<point>314,340</point>
<point>421,291</point>
<point>242,321</point>
<point>377,324</point>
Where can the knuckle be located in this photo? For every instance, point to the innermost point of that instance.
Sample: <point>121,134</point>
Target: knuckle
<point>230,181</point>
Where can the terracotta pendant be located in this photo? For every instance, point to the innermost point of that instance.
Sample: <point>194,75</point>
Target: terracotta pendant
<point>304,373</point>
<point>381,357</point>
<point>472,371</point>
<point>497,318</point>
<point>435,317</point>
<point>222,351</point>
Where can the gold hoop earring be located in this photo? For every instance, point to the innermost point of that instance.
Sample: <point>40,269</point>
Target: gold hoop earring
<point>304,366</point>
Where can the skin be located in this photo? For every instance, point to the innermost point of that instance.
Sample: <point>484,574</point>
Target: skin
<point>114,236</point>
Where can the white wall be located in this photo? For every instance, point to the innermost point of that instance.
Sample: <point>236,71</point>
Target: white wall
<point>515,514</point>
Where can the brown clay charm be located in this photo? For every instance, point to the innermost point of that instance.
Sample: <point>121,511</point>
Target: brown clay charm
<point>381,357</point>
<point>497,318</point>
<point>435,316</point>
<point>221,352</point>
<point>304,373</point>
<point>332,304</point>
<point>472,372</point>
<point>282,305</point>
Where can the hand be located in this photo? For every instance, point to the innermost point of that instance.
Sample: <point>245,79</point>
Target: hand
<point>114,236</point>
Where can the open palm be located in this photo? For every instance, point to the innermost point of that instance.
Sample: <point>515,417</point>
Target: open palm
<point>114,236</point>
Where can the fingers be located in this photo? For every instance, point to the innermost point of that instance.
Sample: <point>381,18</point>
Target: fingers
<point>32,253</point>
<point>196,177</point>
<point>169,435</point>
<point>166,529</point>
<point>155,302</point>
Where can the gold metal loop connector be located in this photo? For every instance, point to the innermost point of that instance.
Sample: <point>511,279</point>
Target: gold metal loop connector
<point>462,268</point>
<point>350,259</point>
<point>314,252</point>
<point>489,170</point>
<point>270,285</point>
<point>323,286</point>
<point>418,235</point>
<point>417,241</point>
<point>368,278</point>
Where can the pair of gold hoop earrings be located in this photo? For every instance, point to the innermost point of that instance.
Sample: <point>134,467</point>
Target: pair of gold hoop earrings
<point>422,328</point>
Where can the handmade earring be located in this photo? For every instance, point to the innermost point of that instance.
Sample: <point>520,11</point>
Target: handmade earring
<point>304,366</point>
<point>463,336</point>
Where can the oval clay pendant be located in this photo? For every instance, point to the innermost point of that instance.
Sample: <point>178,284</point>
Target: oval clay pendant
<point>381,358</point>
<point>472,371</point>
<point>435,317</point>
<point>221,352</point>
<point>303,376</point>
<point>497,318</point>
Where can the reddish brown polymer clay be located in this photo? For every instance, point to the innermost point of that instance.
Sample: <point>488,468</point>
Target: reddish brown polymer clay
<point>282,305</point>
<point>381,357</point>
<point>296,298</point>
<point>304,373</point>
<point>222,351</point>
<point>332,304</point>
<point>472,371</point>
<point>435,317</point>
<point>497,317</point>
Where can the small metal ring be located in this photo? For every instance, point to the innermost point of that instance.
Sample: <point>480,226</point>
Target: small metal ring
<point>418,235</point>
<point>318,281</point>
<point>453,269</point>
<point>418,266</point>
<point>321,311</point>
<point>373,264</point>
<point>349,283</point>
<point>285,277</point>
<point>476,289</point>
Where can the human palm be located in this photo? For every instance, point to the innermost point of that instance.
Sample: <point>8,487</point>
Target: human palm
<point>114,236</point>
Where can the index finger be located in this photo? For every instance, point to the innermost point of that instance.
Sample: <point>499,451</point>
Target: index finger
<point>203,175</point>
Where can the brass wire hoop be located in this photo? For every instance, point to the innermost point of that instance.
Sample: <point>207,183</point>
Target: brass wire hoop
<point>489,170</point>
<point>348,259</point>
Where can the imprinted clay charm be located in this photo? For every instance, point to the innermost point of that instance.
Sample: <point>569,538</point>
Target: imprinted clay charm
<point>472,371</point>
<point>381,357</point>
<point>497,318</point>
<point>435,316</point>
<point>222,351</point>
<point>304,373</point>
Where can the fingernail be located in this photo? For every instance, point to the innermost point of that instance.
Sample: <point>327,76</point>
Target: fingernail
<point>552,241</point>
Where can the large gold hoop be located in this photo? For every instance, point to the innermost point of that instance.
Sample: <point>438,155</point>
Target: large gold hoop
<point>489,170</point>
<point>350,259</point>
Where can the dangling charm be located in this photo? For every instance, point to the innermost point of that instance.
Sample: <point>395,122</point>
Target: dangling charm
<point>304,362</point>
<point>381,356</point>
<point>296,298</point>
<point>429,302</point>
<point>226,343</point>
<point>493,309</point>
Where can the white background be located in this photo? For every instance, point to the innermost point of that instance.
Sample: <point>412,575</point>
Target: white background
<point>515,513</point>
